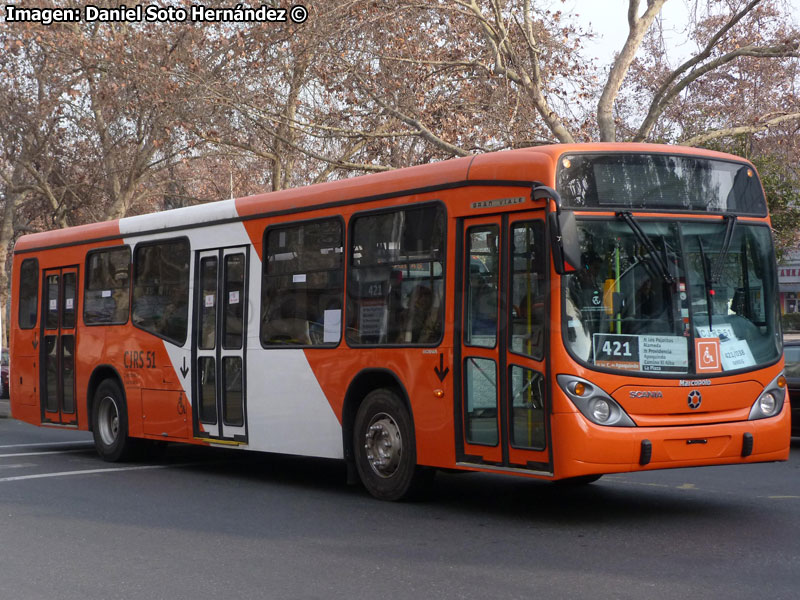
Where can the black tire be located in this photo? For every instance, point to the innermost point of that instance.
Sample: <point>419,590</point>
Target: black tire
<point>385,448</point>
<point>110,423</point>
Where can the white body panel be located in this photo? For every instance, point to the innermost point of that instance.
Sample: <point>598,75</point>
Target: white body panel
<point>286,408</point>
<point>287,411</point>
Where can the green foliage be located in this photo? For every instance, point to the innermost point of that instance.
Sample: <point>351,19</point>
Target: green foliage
<point>782,187</point>
<point>781,182</point>
<point>791,322</point>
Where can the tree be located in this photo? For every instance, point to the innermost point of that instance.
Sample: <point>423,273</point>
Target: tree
<point>780,177</point>
<point>742,79</point>
<point>34,190</point>
<point>781,184</point>
<point>151,117</point>
<point>533,55</point>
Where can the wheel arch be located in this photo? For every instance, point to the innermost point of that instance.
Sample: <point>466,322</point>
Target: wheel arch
<point>99,375</point>
<point>362,384</point>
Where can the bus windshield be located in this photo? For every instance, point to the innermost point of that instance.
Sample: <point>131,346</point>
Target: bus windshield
<point>691,298</point>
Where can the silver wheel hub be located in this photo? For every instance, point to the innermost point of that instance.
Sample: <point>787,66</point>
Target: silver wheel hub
<point>384,445</point>
<point>108,420</point>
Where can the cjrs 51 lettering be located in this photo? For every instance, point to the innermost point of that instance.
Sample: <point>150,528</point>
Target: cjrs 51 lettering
<point>139,359</point>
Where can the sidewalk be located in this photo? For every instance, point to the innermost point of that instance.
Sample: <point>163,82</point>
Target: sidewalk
<point>5,409</point>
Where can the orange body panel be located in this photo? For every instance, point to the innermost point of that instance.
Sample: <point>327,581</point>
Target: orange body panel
<point>603,450</point>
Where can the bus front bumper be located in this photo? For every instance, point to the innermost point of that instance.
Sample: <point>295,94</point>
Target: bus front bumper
<point>595,449</point>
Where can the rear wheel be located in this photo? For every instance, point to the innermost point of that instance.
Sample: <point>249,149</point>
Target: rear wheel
<point>110,423</point>
<point>385,449</point>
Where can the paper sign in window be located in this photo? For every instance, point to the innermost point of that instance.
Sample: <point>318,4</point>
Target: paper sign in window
<point>373,319</point>
<point>69,303</point>
<point>723,331</point>
<point>209,300</point>
<point>233,297</point>
<point>333,325</point>
<point>736,354</point>
<point>299,278</point>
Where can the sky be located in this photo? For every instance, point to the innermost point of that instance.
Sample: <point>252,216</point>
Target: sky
<point>608,20</point>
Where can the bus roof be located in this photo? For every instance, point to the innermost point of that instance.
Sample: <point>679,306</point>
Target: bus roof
<point>512,166</point>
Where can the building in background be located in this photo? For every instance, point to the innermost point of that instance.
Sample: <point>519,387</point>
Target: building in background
<point>789,282</point>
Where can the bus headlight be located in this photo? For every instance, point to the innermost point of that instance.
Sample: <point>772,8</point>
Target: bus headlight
<point>770,402</point>
<point>594,403</point>
<point>767,404</point>
<point>601,411</point>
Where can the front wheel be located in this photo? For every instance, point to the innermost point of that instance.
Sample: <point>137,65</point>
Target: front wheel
<point>110,423</point>
<point>385,449</point>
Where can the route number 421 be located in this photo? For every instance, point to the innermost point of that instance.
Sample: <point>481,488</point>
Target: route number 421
<point>616,348</point>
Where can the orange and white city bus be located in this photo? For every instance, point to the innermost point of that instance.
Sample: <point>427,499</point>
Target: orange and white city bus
<point>557,312</point>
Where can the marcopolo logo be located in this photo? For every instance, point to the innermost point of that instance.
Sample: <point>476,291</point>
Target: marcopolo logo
<point>695,398</point>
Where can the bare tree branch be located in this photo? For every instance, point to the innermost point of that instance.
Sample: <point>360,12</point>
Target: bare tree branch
<point>505,56</point>
<point>667,91</point>
<point>743,129</point>
<point>424,132</point>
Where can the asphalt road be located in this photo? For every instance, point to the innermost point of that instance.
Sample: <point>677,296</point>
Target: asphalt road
<point>204,523</point>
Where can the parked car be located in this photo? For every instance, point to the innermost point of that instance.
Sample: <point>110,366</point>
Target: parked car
<point>4,374</point>
<point>791,351</point>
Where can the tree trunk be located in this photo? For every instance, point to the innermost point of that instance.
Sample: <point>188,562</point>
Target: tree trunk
<point>638,27</point>
<point>6,239</point>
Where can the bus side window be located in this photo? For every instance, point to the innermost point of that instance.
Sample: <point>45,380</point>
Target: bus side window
<point>107,293</point>
<point>395,290</point>
<point>161,289</point>
<point>28,293</point>
<point>301,291</point>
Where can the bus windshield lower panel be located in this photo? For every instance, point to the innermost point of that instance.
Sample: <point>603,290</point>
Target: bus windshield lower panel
<point>683,298</point>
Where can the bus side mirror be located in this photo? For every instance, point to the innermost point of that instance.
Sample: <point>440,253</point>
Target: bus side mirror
<point>565,246</point>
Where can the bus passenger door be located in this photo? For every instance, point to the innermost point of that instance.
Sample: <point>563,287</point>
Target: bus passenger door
<point>57,337</point>
<point>501,341</point>
<point>220,340</point>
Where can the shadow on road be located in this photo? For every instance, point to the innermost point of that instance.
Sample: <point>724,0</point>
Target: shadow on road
<point>612,499</point>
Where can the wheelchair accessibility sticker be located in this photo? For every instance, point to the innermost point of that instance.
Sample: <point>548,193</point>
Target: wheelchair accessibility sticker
<point>706,351</point>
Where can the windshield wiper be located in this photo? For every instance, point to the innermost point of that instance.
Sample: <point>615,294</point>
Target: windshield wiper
<point>707,284</point>
<point>711,277</point>
<point>730,225</point>
<point>648,244</point>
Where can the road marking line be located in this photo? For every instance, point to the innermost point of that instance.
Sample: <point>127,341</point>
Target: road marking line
<point>87,449</point>
<point>92,472</point>
<point>618,479</point>
<point>88,444</point>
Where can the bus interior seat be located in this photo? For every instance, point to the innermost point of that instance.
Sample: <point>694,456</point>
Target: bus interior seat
<point>289,331</point>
